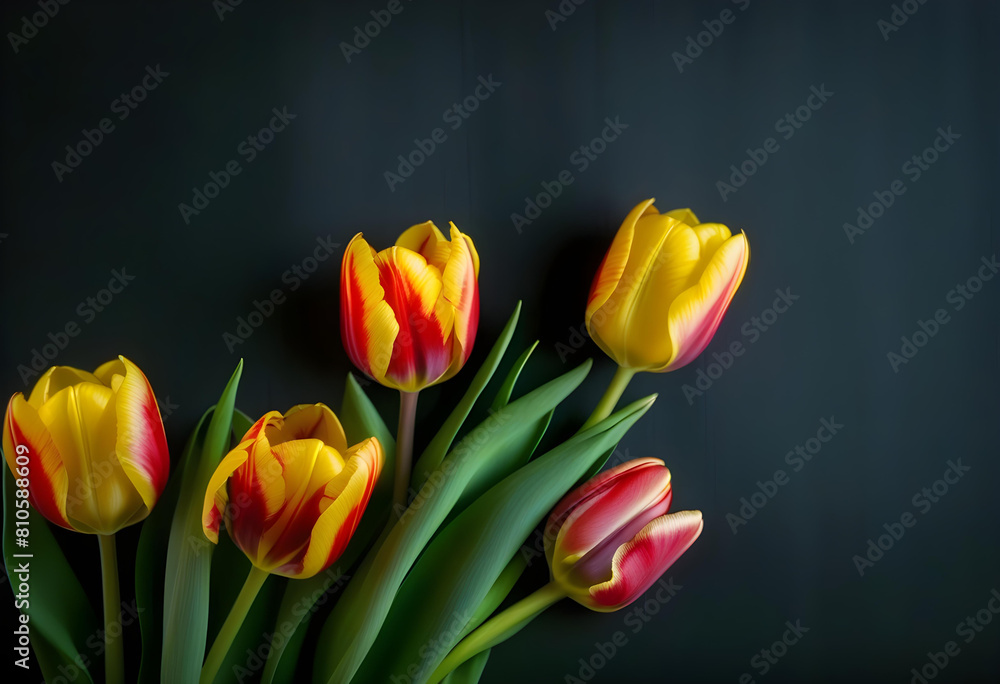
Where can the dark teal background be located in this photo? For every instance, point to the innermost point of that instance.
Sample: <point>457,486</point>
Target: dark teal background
<point>324,177</point>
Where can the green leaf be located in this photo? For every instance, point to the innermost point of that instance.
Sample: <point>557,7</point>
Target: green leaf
<point>61,620</point>
<point>497,593</point>
<point>458,569</point>
<point>360,420</point>
<point>358,616</point>
<point>470,671</point>
<point>503,396</point>
<point>439,445</point>
<point>189,553</point>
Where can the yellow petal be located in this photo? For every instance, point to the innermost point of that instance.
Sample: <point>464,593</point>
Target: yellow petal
<point>141,442</point>
<point>55,379</point>
<point>311,421</point>
<point>426,240</point>
<point>216,497</point>
<point>613,265</point>
<point>48,482</point>
<point>696,314</point>
<point>367,323</point>
<point>461,290</point>
<point>683,215</point>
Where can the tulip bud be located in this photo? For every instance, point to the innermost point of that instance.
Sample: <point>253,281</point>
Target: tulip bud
<point>408,314</point>
<point>662,289</point>
<point>610,540</point>
<point>89,448</point>
<point>291,493</point>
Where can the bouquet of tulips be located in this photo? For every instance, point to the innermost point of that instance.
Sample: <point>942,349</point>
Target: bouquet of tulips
<point>417,553</point>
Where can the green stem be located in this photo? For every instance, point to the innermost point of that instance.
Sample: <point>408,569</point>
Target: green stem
<point>404,448</point>
<point>114,653</point>
<point>611,396</point>
<point>237,614</point>
<point>500,628</point>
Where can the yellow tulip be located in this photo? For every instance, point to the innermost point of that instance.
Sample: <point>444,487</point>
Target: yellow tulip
<point>663,287</point>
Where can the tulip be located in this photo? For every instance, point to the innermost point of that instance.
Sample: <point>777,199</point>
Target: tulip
<point>408,314</point>
<point>660,293</point>
<point>610,540</point>
<point>93,445</point>
<point>606,542</point>
<point>291,495</point>
<point>408,318</point>
<point>90,452</point>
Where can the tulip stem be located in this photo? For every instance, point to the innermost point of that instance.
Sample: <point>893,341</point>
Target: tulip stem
<point>611,396</point>
<point>404,449</point>
<point>237,614</point>
<point>114,653</point>
<point>498,629</point>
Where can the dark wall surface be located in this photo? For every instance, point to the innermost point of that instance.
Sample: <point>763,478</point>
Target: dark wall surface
<point>891,105</point>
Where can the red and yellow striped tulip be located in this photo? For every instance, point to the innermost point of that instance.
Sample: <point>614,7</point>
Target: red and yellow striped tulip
<point>408,314</point>
<point>610,540</point>
<point>89,448</point>
<point>292,493</point>
<point>662,289</point>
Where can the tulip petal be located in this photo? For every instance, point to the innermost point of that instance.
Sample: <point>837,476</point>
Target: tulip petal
<point>612,267</point>
<point>711,236</point>
<point>461,290</point>
<point>666,252</point>
<point>216,495</point>
<point>55,379</point>
<point>697,312</point>
<point>142,443</point>
<point>48,481</point>
<point>346,497</point>
<point>683,215</point>
<point>368,326</point>
<point>310,421</point>
<point>428,241</point>
<point>639,563</point>
<point>421,352</point>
